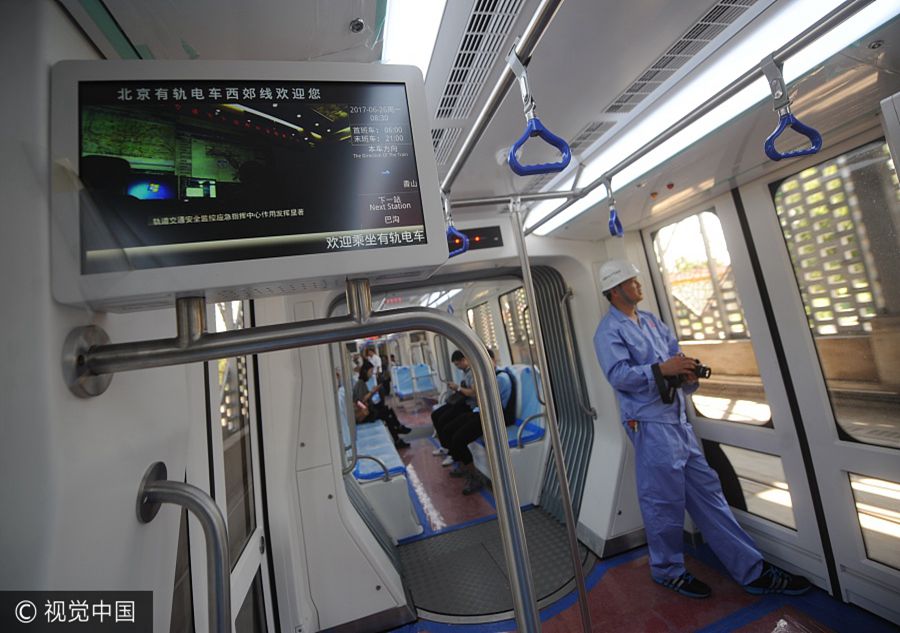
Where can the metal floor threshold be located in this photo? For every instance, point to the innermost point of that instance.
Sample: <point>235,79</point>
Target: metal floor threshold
<point>461,576</point>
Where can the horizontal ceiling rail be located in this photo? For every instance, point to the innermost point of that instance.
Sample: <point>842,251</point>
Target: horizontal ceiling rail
<point>841,13</point>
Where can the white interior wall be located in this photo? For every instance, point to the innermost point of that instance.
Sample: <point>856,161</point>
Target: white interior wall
<point>72,467</point>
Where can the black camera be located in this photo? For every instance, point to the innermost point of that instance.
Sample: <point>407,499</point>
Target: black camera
<point>668,384</point>
<point>701,370</point>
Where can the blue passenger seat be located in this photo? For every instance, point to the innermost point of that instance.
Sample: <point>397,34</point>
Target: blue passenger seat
<point>375,440</point>
<point>527,405</point>
<point>402,381</point>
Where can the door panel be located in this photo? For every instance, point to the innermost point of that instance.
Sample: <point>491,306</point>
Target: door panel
<point>765,464</point>
<point>850,473</point>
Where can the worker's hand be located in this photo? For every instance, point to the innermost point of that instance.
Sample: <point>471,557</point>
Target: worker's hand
<point>678,365</point>
<point>453,386</point>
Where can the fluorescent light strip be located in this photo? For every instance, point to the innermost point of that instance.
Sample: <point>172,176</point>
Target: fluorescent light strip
<point>446,297</point>
<point>410,32</point>
<point>779,30</point>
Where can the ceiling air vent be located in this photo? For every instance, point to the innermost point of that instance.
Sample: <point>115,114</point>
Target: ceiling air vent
<point>444,139</point>
<point>715,21</point>
<point>485,33</point>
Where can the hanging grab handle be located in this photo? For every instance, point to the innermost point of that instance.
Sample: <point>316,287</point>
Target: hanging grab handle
<point>615,225</point>
<point>789,120</point>
<point>454,233</point>
<point>782,106</point>
<point>533,127</point>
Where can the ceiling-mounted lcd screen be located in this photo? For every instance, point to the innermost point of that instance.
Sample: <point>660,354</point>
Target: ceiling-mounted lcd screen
<point>239,176</point>
<point>179,173</point>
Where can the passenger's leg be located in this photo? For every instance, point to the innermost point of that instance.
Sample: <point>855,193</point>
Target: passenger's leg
<point>713,516</point>
<point>466,432</point>
<point>659,464</point>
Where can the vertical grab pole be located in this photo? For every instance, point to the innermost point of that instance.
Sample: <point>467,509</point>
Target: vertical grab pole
<point>515,213</point>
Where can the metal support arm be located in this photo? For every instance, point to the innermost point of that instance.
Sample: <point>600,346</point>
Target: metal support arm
<point>156,490</point>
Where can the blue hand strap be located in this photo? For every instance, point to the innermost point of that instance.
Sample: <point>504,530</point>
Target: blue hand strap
<point>454,233</point>
<point>789,120</point>
<point>534,127</point>
<point>615,225</point>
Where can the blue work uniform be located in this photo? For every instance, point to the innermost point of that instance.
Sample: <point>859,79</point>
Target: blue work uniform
<point>672,473</point>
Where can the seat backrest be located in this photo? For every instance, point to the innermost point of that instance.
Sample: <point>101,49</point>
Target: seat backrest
<point>527,403</point>
<point>402,379</point>
<point>424,379</point>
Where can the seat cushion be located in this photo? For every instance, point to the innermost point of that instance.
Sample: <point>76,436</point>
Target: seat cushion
<point>375,440</point>
<point>532,433</point>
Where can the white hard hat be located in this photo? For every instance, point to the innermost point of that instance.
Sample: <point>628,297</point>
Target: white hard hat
<point>614,272</point>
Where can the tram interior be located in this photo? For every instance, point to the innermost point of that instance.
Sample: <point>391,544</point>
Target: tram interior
<point>782,277</point>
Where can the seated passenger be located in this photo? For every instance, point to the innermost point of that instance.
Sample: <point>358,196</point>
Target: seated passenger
<point>372,402</point>
<point>462,400</point>
<point>459,432</point>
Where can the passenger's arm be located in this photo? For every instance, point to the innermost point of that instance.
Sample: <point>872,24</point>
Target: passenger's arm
<point>623,375</point>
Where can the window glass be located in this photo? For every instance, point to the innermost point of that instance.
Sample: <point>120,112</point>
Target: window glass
<point>708,319</point>
<point>878,509</point>
<point>517,325</point>
<point>182,618</point>
<point>482,321</point>
<point>251,617</point>
<point>752,481</point>
<point>234,417</point>
<point>840,223</point>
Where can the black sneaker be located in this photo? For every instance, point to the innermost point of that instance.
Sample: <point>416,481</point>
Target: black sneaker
<point>473,485</point>
<point>775,580</point>
<point>686,585</point>
<point>403,429</point>
<point>401,444</point>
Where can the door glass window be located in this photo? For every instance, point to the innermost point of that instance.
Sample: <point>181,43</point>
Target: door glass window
<point>234,417</point>
<point>182,618</point>
<point>482,321</point>
<point>752,481</point>
<point>517,325</point>
<point>878,509</point>
<point>708,319</point>
<point>251,617</point>
<point>840,223</point>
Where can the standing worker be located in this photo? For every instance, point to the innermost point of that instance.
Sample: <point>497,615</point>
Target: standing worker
<point>642,361</point>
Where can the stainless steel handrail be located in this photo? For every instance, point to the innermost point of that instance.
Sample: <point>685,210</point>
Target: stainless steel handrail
<point>80,362</point>
<point>521,429</point>
<point>387,472</point>
<point>155,490</point>
<point>349,410</point>
<point>515,209</point>
<point>532,350</point>
<point>817,30</point>
<point>583,401</point>
<point>541,19</point>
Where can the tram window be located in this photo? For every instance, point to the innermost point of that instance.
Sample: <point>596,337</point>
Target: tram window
<point>752,481</point>
<point>482,321</point>
<point>840,221</point>
<point>878,508</point>
<point>182,618</point>
<point>517,325</point>
<point>251,617</point>
<point>709,320</point>
<point>234,417</point>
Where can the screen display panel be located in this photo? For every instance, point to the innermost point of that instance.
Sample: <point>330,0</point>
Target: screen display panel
<point>178,173</point>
